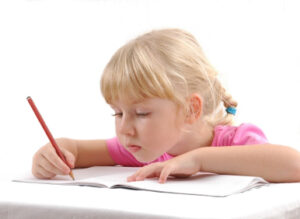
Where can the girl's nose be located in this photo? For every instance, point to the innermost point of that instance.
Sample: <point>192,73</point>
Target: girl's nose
<point>126,126</point>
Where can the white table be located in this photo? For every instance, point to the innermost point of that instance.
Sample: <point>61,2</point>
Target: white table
<point>24,200</point>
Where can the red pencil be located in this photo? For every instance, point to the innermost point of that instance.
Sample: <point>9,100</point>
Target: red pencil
<point>48,133</point>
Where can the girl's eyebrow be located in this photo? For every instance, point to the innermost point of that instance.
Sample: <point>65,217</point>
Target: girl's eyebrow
<point>131,106</point>
<point>133,103</point>
<point>114,107</point>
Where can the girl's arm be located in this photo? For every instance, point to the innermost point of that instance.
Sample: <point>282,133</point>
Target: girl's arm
<point>92,153</point>
<point>79,153</point>
<point>274,163</point>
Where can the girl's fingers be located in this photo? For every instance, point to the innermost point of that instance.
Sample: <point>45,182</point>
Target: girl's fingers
<point>143,173</point>
<point>150,171</point>
<point>136,176</point>
<point>46,163</point>
<point>51,156</point>
<point>43,173</point>
<point>48,166</point>
<point>69,157</point>
<point>166,171</point>
<point>132,177</point>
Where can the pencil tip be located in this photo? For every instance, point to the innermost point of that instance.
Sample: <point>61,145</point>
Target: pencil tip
<point>72,176</point>
<point>28,97</point>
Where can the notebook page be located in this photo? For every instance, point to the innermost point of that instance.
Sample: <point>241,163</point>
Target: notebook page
<point>115,176</point>
<point>202,184</point>
<point>104,176</point>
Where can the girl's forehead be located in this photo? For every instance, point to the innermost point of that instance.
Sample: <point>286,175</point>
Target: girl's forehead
<point>128,102</point>
<point>132,101</point>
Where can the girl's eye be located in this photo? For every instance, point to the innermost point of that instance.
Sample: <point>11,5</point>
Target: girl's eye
<point>142,114</point>
<point>138,114</point>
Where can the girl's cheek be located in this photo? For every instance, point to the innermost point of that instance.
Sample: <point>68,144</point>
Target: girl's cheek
<point>116,126</point>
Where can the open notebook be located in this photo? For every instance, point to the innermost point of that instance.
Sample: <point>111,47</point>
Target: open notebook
<point>207,184</point>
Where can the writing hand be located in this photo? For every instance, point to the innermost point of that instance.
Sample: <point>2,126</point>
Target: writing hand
<point>46,163</point>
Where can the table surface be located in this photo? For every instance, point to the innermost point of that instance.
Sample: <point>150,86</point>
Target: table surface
<point>27,200</point>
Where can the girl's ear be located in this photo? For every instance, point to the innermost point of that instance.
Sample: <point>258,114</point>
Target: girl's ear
<point>194,109</point>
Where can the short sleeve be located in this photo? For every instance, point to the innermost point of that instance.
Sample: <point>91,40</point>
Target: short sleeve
<point>245,134</point>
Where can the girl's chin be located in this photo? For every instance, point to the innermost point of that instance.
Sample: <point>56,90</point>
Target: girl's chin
<point>144,159</point>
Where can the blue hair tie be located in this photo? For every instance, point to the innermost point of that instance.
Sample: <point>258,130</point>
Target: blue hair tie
<point>231,110</point>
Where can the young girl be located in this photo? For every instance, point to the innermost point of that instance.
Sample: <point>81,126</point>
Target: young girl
<point>173,117</point>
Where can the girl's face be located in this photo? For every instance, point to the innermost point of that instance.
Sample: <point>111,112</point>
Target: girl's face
<point>149,128</point>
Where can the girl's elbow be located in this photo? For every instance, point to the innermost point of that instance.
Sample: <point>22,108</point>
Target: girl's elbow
<point>294,167</point>
<point>297,172</point>
<point>290,174</point>
<point>294,171</point>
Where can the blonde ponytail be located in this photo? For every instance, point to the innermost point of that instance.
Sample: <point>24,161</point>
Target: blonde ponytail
<point>220,101</point>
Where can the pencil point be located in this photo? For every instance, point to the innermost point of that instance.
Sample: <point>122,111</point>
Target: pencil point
<point>28,97</point>
<point>71,174</point>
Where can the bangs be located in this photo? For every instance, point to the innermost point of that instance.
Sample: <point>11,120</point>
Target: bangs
<point>134,73</point>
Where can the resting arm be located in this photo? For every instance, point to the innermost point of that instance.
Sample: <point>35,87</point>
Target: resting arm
<point>274,163</point>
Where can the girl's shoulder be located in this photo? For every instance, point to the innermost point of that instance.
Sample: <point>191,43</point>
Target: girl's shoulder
<point>244,134</point>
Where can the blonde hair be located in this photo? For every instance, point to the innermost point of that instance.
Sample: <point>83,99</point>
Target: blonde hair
<point>170,64</point>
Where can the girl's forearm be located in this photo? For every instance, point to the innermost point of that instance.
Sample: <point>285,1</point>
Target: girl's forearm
<point>93,153</point>
<point>88,153</point>
<point>274,163</point>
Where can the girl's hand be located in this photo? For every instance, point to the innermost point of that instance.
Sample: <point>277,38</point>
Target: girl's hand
<point>46,163</point>
<point>182,166</point>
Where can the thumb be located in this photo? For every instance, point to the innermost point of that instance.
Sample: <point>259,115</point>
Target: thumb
<point>69,157</point>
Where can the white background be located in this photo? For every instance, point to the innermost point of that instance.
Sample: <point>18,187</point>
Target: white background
<point>55,52</point>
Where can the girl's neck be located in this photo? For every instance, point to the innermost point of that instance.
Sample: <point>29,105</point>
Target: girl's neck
<point>195,136</point>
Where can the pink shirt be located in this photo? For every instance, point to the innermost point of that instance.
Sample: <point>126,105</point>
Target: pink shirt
<point>245,134</point>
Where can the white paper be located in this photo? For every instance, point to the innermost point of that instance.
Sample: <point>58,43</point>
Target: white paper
<point>207,184</point>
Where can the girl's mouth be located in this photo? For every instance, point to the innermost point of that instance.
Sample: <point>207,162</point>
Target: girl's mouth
<point>134,148</point>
